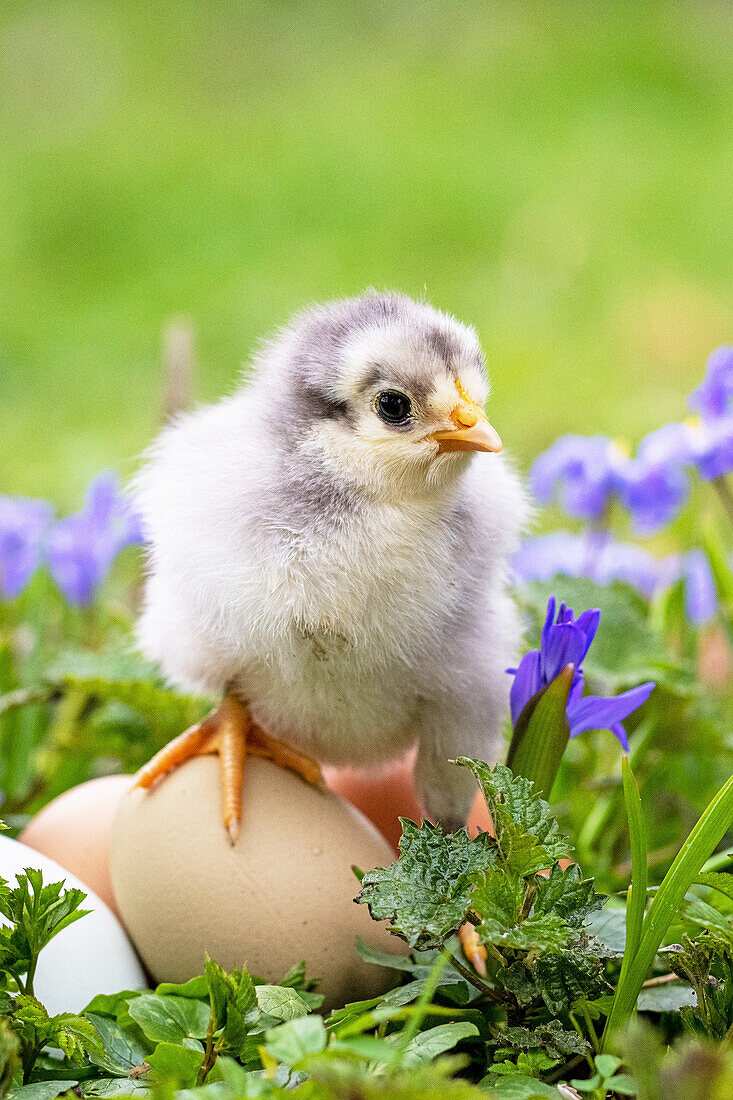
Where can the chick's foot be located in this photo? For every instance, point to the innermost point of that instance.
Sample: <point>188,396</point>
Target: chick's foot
<point>228,731</point>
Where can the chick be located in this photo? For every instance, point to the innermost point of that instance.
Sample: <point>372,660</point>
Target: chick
<point>329,552</point>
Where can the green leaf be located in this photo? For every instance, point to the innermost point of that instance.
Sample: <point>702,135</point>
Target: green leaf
<point>550,1037</point>
<point>121,1051</point>
<point>427,893</point>
<point>623,1084</point>
<point>371,954</point>
<point>668,997</point>
<point>716,881</point>
<point>608,928</point>
<point>232,998</point>
<point>607,1064</point>
<point>427,1045</point>
<point>564,976</point>
<point>568,895</point>
<point>75,1035</point>
<point>292,1042</point>
<point>280,1002</point>
<point>526,833</point>
<point>547,932</point>
<point>520,1088</point>
<point>180,1065</point>
<point>541,734</point>
<point>41,1090</point>
<point>499,895</point>
<point>178,1020</point>
<point>109,1088</point>
<point>195,987</point>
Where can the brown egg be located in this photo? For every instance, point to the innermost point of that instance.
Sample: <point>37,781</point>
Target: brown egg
<point>283,893</point>
<point>75,829</point>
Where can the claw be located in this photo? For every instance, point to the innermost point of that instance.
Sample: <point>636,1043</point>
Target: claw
<point>473,949</point>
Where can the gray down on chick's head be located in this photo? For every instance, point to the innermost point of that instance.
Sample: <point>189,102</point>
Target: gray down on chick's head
<point>374,384</point>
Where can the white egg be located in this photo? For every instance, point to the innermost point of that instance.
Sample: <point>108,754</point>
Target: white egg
<point>91,956</point>
<point>285,892</point>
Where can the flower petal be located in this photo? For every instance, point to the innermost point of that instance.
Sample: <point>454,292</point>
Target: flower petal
<point>593,712</point>
<point>527,682</point>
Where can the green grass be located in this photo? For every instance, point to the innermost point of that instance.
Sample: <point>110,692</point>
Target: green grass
<point>557,173</point>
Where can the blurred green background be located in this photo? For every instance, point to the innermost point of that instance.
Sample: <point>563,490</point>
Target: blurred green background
<point>560,174</point>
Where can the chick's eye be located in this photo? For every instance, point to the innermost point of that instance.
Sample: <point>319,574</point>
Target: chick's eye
<point>393,406</point>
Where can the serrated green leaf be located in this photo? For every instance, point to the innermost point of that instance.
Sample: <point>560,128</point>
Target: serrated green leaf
<point>563,977</point>
<point>499,896</point>
<point>568,895</point>
<point>534,935</point>
<point>75,1036</point>
<point>427,893</point>
<point>526,833</point>
<point>555,1040</point>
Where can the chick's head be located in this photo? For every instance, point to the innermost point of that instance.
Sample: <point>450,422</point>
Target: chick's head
<point>387,392</point>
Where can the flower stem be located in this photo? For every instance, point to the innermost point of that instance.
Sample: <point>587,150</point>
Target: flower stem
<point>725,496</point>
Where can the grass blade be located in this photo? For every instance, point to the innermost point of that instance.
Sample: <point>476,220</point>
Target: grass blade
<point>636,898</point>
<point>708,832</point>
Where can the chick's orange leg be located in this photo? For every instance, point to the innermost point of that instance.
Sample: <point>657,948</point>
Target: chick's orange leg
<point>192,742</point>
<point>269,748</point>
<point>225,732</point>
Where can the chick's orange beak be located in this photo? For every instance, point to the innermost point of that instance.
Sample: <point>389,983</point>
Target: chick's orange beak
<point>472,431</point>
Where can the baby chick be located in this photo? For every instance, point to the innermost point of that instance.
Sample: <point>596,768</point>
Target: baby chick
<point>328,551</point>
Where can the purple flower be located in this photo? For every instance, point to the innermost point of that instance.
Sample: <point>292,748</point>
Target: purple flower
<point>83,546</point>
<point>653,486</point>
<point>707,445</point>
<point>713,396</point>
<point>595,556</point>
<point>546,556</point>
<point>24,526</point>
<point>584,469</point>
<point>566,641</point>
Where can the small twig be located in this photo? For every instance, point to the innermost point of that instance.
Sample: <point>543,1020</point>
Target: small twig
<point>24,697</point>
<point>563,1071</point>
<point>178,367</point>
<point>661,980</point>
<point>476,981</point>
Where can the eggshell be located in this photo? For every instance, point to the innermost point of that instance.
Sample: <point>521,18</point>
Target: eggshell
<point>382,796</point>
<point>91,956</point>
<point>75,830</point>
<point>283,893</point>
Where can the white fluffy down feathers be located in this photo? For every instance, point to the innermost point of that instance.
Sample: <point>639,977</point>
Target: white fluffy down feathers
<point>337,572</point>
